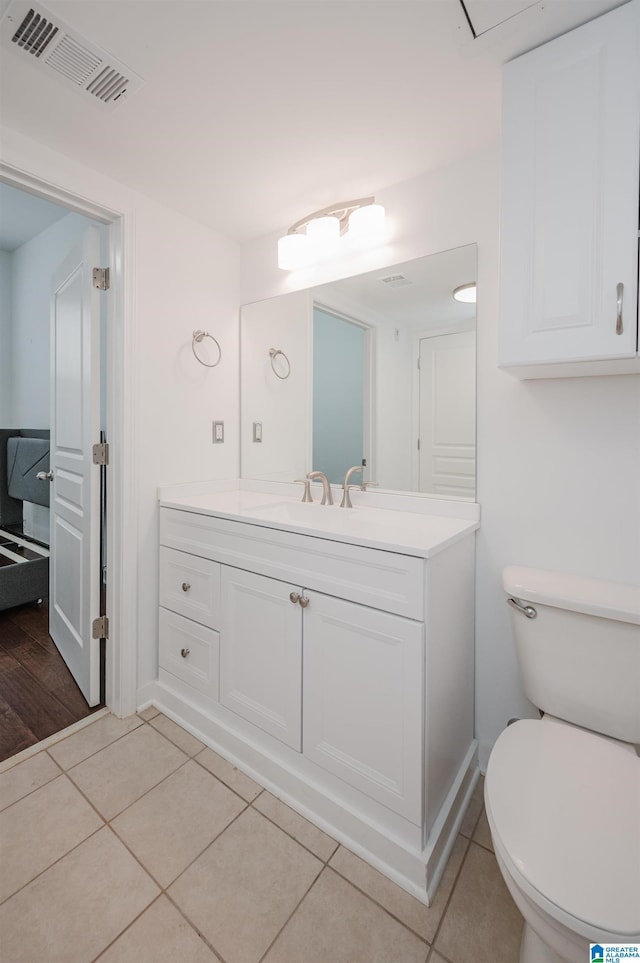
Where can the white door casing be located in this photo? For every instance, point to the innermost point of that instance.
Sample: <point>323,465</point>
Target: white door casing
<point>75,426</point>
<point>447,414</point>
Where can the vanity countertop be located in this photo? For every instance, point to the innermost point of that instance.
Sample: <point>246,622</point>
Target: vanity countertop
<point>408,533</point>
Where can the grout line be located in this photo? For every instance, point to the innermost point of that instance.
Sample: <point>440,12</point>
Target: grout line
<point>453,889</point>
<point>128,927</point>
<point>51,740</point>
<point>381,906</point>
<point>293,913</point>
<point>295,838</point>
<point>195,928</point>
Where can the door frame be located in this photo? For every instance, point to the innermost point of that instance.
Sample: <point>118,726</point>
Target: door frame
<point>121,529</point>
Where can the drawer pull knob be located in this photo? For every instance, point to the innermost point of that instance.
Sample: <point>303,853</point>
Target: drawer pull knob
<point>184,653</point>
<point>294,597</point>
<point>186,586</point>
<point>304,601</point>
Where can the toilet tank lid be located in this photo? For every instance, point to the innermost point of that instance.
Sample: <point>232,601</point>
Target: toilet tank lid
<point>577,593</point>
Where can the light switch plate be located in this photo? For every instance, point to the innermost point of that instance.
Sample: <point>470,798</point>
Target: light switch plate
<point>257,431</point>
<point>218,432</point>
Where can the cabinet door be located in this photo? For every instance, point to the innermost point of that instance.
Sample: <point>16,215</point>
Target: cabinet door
<point>261,653</point>
<point>363,691</point>
<point>569,206</point>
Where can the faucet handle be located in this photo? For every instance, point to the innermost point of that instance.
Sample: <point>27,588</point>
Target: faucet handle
<point>307,497</point>
<point>368,484</point>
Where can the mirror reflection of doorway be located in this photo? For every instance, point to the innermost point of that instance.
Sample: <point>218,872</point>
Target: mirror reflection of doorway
<point>340,390</point>
<point>447,375</point>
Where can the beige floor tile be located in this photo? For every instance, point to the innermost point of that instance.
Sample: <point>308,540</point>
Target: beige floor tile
<point>39,829</point>
<point>436,958</point>
<point>473,810</point>
<point>179,736</point>
<point>481,921</point>
<point>297,826</point>
<point>337,923</point>
<point>78,906</point>
<point>148,713</point>
<point>482,835</point>
<point>174,822</point>
<point>22,779</point>
<point>229,775</point>
<point>244,887</point>
<point>160,935</point>
<point>118,775</point>
<point>74,749</point>
<point>423,920</point>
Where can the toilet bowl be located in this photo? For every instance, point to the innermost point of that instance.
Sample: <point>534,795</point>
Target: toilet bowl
<point>563,807</point>
<point>562,793</point>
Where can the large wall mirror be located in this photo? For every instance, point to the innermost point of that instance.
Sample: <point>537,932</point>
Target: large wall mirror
<point>375,370</point>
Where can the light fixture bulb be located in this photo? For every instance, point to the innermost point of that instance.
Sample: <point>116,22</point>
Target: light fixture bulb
<point>466,293</point>
<point>367,225</point>
<point>323,234</point>
<point>293,252</point>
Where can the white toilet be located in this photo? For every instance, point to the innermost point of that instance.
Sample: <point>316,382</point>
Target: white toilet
<point>562,794</point>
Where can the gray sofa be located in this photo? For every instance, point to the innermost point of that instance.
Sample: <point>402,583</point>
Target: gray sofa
<point>23,453</point>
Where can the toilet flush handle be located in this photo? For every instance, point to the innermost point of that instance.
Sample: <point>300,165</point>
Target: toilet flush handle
<point>527,610</point>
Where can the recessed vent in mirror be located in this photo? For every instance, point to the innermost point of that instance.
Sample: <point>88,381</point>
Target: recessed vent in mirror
<point>31,29</point>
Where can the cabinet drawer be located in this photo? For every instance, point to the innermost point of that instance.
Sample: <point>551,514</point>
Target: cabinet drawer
<point>370,576</point>
<point>189,651</point>
<point>190,585</point>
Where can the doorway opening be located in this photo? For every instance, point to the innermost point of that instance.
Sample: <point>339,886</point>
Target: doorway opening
<point>47,351</point>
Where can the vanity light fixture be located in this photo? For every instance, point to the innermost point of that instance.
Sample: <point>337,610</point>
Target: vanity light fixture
<point>465,293</point>
<point>359,223</point>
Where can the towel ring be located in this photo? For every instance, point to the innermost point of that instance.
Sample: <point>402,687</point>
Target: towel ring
<point>273,354</point>
<point>198,337</point>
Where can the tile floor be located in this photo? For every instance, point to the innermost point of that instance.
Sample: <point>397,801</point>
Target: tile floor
<point>131,842</point>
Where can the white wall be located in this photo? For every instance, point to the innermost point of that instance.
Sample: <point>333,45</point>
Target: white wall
<point>558,460</point>
<point>184,276</point>
<point>32,267</point>
<point>6,409</point>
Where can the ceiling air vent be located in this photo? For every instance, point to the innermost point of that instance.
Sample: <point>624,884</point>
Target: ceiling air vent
<point>52,45</point>
<point>395,281</point>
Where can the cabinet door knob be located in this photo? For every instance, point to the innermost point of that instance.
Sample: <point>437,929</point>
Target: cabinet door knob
<point>294,597</point>
<point>619,293</point>
<point>184,653</point>
<point>304,601</point>
<point>186,586</point>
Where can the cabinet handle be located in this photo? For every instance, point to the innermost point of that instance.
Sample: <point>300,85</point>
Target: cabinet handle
<point>185,586</point>
<point>619,293</point>
<point>303,601</point>
<point>184,653</point>
<point>294,597</point>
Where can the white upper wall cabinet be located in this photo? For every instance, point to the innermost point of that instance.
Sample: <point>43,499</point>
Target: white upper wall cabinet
<point>569,207</point>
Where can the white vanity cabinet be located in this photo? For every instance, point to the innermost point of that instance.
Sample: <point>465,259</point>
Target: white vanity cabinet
<point>569,202</point>
<point>329,670</point>
<point>261,653</point>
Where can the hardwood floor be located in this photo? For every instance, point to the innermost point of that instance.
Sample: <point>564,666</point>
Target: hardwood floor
<point>38,695</point>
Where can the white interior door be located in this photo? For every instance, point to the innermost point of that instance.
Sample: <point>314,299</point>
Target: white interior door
<point>75,426</point>
<point>448,414</point>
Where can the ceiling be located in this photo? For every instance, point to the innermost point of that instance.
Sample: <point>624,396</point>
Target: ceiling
<point>253,113</point>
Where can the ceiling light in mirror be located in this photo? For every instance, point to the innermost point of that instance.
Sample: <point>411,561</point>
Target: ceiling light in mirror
<point>466,293</point>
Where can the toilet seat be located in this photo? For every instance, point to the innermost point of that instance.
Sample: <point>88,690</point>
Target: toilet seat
<point>564,810</point>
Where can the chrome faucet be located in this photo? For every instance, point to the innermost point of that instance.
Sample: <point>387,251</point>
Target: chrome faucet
<point>327,497</point>
<point>346,497</point>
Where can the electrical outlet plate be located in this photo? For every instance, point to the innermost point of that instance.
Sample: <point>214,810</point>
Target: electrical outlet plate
<point>217,432</point>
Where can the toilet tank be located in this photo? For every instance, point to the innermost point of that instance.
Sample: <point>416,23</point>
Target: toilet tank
<point>579,656</point>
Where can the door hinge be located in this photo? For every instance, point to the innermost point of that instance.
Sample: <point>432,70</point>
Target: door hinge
<point>418,364</point>
<point>100,628</point>
<point>101,279</point>
<point>101,453</point>
<point>418,444</point>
